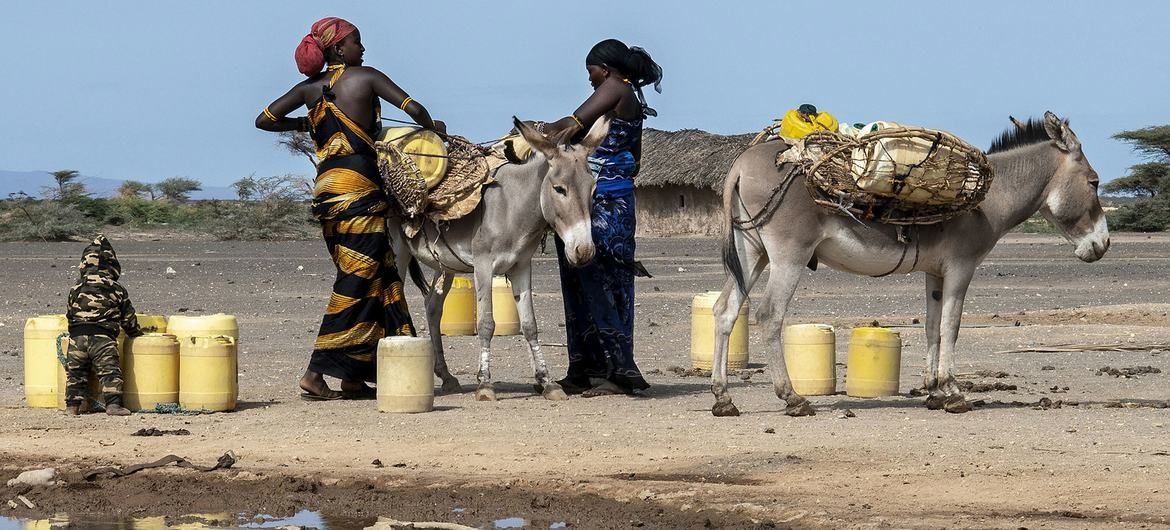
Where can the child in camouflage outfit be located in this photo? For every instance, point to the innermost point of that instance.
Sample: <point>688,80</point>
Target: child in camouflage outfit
<point>98,307</point>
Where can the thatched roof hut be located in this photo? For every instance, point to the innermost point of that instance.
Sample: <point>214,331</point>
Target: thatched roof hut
<point>689,157</point>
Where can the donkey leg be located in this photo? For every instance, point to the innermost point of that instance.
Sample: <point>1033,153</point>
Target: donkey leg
<point>934,286</point>
<point>781,286</point>
<point>485,326</point>
<point>440,286</point>
<point>782,283</point>
<point>726,312</point>
<point>954,292</point>
<point>521,278</point>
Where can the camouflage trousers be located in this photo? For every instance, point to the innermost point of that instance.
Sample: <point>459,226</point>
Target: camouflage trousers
<point>101,353</point>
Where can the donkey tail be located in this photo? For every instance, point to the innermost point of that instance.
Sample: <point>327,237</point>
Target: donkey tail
<point>731,261</point>
<point>416,275</point>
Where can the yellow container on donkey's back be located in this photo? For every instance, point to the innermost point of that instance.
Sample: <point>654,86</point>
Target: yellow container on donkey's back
<point>425,148</point>
<point>459,308</point>
<point>41,365</point>
<point>810,353</point>
<point>219,324</point>
<point>703,334</point>
<point>504,310</point>
<point>406,368</point>
<point>875,361</point>
<point>150,371</point>
<point>208,373</point>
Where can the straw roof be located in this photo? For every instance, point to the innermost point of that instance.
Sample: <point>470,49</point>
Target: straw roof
<point>689,157</point>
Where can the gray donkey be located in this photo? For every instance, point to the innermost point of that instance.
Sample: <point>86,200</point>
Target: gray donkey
<point>554,188</point>
<point>1039,166</point>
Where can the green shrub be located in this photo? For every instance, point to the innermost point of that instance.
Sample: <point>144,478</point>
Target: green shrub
<point>139,212</point>
<point>1146,215</point>
<point>1035,225</point>
<point>271,208</point>
<point>25,219</point>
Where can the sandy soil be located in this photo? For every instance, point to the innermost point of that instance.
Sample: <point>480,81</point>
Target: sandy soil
<point>660,460</point>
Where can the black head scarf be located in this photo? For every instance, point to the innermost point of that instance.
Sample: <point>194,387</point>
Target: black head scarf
<point>633,63</point>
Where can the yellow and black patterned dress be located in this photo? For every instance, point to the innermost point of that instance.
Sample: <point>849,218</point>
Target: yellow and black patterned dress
<point>367,301</point>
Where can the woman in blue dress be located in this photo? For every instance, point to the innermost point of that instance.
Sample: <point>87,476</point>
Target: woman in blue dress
<point>599,297</point>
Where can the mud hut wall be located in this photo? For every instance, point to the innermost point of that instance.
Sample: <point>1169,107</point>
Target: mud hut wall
<point>678,210</point>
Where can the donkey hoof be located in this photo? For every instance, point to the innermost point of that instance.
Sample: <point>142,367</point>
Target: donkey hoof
<point>450,386</point>
<point>799,409</point>
<point>935,401</point>
<point>554,392</point>
<point>956,404</point>
<point>485,393</point>
<point>724,409</point>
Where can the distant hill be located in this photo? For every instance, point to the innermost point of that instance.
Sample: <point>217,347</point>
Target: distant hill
<point>33,182</point>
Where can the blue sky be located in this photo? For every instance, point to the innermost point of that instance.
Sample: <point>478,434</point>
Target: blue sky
<point>150,89</point>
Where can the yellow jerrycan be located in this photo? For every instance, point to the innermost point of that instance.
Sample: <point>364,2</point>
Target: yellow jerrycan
<point>215,325</point>
<point>459,308</point>
<point>41,365</point>
<point>504,310</point>
<point>703,334</point>
<point>150,371</point>
<point>810,353</point>
<point>875,361</point>
<point>406,380</point>
<point>208,373</point>
<point>148,323</point>
<point>152,323</point>
<point>423,146</point>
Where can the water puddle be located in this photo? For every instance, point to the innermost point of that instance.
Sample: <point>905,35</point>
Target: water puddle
<point>510,522</point>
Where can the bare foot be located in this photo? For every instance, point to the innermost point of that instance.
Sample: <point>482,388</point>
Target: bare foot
<point>357,390</point>
<point>73,410</point>
<point>315,389</point>
<point>117,410</point>
<point>607,388</point>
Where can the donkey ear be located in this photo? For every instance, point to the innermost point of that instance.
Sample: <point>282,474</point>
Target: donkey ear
<point>1060,133</point>
<point>596,134</point>
<point>1016,122</point>
<point>534,138</point>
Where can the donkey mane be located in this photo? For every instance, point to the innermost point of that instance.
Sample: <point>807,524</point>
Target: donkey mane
<point>1031,133</point>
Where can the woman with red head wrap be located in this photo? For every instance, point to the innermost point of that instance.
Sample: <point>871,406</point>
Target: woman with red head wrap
<point>344,110</point>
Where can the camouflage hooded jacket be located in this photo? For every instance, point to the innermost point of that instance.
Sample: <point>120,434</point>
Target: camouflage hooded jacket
<point>98,304</point>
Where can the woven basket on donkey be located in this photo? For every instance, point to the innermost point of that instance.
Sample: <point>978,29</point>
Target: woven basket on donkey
<point>900,175</point>
<point>459,192</point>
<point>402,178</point>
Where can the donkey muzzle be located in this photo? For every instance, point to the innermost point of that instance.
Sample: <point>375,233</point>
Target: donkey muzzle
<point>579,249</point>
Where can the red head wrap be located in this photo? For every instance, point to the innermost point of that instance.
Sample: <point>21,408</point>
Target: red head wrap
<point>329,31</point>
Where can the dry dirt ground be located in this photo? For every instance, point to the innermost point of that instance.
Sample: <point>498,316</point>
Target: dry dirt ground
<point>660,460</point>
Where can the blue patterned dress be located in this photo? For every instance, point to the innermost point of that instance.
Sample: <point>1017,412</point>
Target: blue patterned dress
<point>599,297</point>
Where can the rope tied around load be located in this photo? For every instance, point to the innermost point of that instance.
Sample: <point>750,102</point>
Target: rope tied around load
<point>897,175</point>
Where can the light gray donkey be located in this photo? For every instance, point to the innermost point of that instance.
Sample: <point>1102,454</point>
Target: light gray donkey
<point>553,189</point>
<point>1039,166</point>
